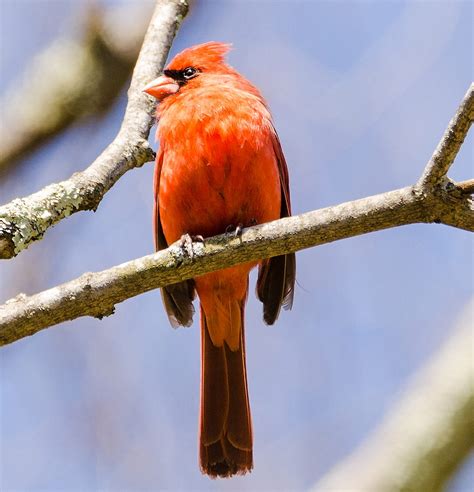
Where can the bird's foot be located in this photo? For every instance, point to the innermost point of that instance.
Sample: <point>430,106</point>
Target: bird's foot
<point>186,243</point>
<point>237,231</point>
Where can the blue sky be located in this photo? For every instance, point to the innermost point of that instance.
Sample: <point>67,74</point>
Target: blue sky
<point>361,93</point>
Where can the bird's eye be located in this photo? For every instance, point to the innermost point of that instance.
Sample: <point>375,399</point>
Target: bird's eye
<point>189,73</point>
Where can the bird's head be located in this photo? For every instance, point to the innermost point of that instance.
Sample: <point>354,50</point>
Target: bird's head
<point>187,67</point>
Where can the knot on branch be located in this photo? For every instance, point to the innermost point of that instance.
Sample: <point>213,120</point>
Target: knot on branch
<point>144,153</point>
<point>13,235</point>
<point>451,203</point>
<point>7,245</point>
<point>104,311</point>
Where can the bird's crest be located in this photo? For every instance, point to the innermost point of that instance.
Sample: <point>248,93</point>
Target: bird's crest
<point>204,55</point>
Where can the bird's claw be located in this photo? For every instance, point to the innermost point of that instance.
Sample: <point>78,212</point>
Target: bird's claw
<point>237,231</point>
<point>186,243</point>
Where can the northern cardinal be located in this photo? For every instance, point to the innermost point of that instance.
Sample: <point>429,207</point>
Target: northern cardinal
<point>220,163</point>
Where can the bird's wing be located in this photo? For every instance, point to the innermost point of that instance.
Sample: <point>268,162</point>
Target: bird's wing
<point>277,275</point>
<point>177,298</point>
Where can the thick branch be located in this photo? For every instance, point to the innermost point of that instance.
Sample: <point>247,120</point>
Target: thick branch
<point>426,436</point>
<point>66,91</point>
<point>96,294</point>
<point>26,220</point>
<point>449,145</point>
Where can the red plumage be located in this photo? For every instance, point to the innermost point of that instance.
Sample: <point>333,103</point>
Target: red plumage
<point>220,163</point>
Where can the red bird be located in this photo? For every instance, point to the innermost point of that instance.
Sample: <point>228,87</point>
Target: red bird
<point>220,163</point>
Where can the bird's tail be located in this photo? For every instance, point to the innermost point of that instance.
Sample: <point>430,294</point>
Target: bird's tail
<point>225,440</point>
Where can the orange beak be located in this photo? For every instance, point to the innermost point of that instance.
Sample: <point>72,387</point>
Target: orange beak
<point>161,87</point>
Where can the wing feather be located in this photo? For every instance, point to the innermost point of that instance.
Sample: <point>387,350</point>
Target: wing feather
<point>277,275</point>
<point>177,298</point>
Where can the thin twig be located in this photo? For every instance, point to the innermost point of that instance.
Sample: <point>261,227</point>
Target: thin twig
<point>450,143</point>
<point>23,221</point>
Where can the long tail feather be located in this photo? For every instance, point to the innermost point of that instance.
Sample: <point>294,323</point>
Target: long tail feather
<point>225,439</point>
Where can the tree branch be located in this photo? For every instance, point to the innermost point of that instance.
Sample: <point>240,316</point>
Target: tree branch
<point>434,198</point>
<point>23,221</point>
<point>444,155</point>
<point>65,92</point>
<point>466,187</point>
<point>426,436</point>
<point>96,294</point>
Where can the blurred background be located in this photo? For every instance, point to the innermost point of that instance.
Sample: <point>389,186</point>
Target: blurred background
<point>361,92</point>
